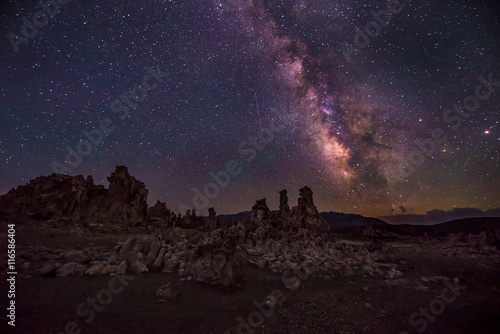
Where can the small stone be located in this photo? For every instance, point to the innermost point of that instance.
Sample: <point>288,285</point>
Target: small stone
<point>49,269</point>
<point>423,288</point>
<point>138,268</point>
<point>292,283</point>
<point>167,292</point>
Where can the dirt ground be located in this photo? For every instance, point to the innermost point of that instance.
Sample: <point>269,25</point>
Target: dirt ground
<point>356,304</point>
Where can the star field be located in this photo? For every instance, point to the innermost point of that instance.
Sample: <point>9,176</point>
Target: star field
<point>294,92</point>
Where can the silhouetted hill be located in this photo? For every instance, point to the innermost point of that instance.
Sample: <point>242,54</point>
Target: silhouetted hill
<point>342,222</point>
<point>346,223</point>
<point>241,216</point>
<point>338,222</point>
<point>436,216</point>
<point>466,225</point>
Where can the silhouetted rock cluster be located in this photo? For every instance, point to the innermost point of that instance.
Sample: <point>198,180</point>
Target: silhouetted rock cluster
<point>295,239</point>
<point>126,197</point>
<point>213,223</point>
<point>284,207</point>
<point>260,214</point>
<point>306,215</point>
<point>77,199</point>
<point>190,220</point>
<point>160,211</point>
<point>291,240</point>
<point>159,217</point>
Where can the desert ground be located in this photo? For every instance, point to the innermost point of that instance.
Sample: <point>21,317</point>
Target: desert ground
<point>324,303</point>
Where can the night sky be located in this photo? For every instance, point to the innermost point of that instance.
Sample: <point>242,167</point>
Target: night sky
<point>366,109</point>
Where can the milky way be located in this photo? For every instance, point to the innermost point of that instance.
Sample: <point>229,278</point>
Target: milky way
<point>360,90</point>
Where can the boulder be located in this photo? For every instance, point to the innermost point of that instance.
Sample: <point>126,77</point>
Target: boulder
<point>73,255</point>
<point>71,269</point>
<point>49,269</point>
<point>138,268</point>
<point>167,292</point>
<point>96,268</point>
<point>292,283</point>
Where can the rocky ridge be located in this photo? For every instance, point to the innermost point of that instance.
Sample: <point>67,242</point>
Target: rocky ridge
<point>296,239</point>
<point>77,199</point>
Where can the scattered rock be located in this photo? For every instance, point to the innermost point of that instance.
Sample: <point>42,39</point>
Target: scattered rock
<point>95,269</point>
<point>292,283</point>
<point>167,292</point>
<point>423,288</point>
<point>79,256</point>
<point>49,269</point>
<point>71,269</point>
<point>138,268</point>
<point>393,273</point>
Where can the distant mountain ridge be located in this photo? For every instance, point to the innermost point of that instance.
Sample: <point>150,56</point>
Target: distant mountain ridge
<point>436,216</point>
<point>346,223</point>
<point>338,222</point>
<point>465,225</point>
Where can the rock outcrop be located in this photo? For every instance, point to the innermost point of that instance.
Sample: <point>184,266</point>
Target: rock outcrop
<point>77,199</point>
<point>260,214</point>
<point>126,198</point>
<point>212,219</point>
<point>190,220</point>
<point>306,215</point>
<point>211,254</point>
<point>159,210</point>
<point>284,211</point>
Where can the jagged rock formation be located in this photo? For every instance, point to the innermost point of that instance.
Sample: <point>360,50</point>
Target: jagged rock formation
<point>208,258</point>
<point>126,197</point>
<point>159,210</point>
<point>294,240</point>
<point>212,219</point>
<point>284,208</point>
<point>306,215</point>
<point>284,211</point>
<point>190,220</point>
<point>214,256</point>
<point>260,214</point>
<point>77,199</point>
